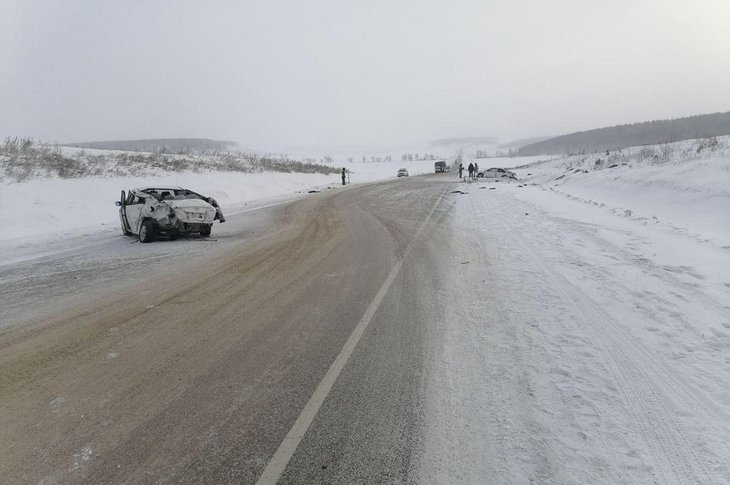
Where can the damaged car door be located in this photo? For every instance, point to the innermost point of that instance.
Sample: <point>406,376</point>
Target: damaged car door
<point>130,212</point>
<point>134,207</point>
<point>122,204</point>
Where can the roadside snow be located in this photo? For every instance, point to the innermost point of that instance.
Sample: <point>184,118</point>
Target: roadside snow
<point>49,209</point>
<point>587,337</point>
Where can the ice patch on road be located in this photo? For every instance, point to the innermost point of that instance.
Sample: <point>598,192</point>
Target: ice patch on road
<point>82,456</point>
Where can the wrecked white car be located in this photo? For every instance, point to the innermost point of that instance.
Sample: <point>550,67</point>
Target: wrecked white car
<point>496,173</point>
<point>170,212</point>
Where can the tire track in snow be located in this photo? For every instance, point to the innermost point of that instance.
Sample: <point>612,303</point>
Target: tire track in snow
<point>645,393</point>
<point>691,395</point>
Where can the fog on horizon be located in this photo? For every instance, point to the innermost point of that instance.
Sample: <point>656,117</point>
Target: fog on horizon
<point>344,73</point>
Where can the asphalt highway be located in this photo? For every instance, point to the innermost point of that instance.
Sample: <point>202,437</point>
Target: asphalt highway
<point>288,348</point>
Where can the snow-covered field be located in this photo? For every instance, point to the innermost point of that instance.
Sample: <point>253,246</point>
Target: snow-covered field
<point>588,329</point>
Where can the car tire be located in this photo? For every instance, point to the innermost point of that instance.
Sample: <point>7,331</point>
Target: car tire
<point>146,232</point>
<point>205,231</point>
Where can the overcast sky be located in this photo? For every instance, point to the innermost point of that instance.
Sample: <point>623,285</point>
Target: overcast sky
<point>345,73</point>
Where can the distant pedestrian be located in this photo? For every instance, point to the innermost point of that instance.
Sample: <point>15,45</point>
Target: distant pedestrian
<point>471,170</point>
<point>476,169</point>
<point>343,175</point>
<point>461,169</point>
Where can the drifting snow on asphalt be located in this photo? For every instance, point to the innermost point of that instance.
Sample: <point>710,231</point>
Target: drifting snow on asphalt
<point>570,356</point>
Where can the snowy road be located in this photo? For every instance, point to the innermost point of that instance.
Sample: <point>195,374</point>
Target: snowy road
<point>396,332</point>
<point>571,357</point>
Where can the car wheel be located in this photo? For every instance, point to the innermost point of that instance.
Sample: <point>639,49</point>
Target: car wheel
<point>205,231</point>
<point>146,232</point>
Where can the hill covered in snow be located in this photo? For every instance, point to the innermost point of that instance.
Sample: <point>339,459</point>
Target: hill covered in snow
<point>621,136</point>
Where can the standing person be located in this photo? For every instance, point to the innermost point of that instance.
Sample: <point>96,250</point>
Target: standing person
<point>471,170</point>
<point>461,169</point>
<point>476,169</point>
<point>343,175</point>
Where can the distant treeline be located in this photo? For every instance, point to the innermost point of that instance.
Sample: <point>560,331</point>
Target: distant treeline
<point>637,134</point>
<point>23,159</point>
<point>160,145</point>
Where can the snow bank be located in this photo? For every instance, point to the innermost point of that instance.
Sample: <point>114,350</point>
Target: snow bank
<point>52,208</point>
<point>683,186</point>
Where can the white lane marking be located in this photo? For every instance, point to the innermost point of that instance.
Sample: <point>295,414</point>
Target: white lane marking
<point>286,449</point>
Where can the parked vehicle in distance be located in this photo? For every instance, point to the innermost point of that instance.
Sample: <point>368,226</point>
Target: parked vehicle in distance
<point>440,166</point>
<point>402,173</point>
<point>171,212</point>
<point>495,172</point>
